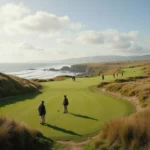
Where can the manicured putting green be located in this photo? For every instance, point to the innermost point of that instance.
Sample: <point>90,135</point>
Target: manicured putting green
<point>88,110</point>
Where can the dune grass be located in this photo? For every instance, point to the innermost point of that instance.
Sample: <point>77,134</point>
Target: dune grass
<point>18,136</point>
<point>11,86</point>
<point>132,132</point>
<point>88,110</point>
<point>134,87</point>
<point>125,133</point>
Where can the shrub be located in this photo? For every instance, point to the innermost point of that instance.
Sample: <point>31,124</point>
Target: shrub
<point>102,84</point>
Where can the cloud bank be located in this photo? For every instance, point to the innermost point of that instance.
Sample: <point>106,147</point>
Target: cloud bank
<point>49,36</point>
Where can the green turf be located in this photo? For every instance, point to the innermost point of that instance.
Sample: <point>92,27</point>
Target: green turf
<point>88,110</point>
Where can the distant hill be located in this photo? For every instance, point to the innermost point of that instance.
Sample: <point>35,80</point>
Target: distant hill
<point>109,58</point>
<point>12,86</point>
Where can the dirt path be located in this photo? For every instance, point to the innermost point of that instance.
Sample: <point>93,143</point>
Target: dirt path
<point>79,145</point>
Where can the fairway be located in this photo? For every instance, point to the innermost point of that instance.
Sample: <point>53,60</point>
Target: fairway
<point>87,110</point>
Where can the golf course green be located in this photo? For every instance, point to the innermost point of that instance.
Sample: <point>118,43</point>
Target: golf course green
<point>88,111</point>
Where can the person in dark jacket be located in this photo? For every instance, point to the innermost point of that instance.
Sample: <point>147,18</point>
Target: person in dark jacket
<point>102,76</point>
<point>114,75</point>
<point>42,112</point>
<point>65,103</point>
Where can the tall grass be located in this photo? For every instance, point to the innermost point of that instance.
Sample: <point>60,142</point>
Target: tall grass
<point>147,70</point>
<point>15,136</point>
<point>126,133</point>
<point>132,86</point>
<point>12,86</point>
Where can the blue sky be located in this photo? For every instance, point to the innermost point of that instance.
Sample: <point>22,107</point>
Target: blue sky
<point>75,28</point>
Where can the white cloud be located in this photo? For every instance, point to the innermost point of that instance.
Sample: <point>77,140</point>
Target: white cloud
<point>135,47</point>
<point>65,41</point>
<point>43,22</point>
<point>107,36</point>
<point>121,42</point>
<point>90,37</point>
<point>11,12</point>
<point>18,19</point>
<point>111,39</point>
<point>27,46</point>
<point>76,26</point>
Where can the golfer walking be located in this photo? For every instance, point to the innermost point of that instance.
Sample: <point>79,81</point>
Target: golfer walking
<point>42,112</point>
<point>65,103</point>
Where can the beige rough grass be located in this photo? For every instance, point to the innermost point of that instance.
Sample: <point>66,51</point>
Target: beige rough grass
<point>131,87</point>
<point>18,136</point>
<point>126,133</point>
<point>12,86</point>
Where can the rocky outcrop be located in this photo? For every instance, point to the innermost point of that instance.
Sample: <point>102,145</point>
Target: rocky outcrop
<point>31,69</point>
<point>65,68</point>
<point>52,69</point>
<point>79,68</point>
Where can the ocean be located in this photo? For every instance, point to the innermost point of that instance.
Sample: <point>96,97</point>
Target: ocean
<point>34,70</point>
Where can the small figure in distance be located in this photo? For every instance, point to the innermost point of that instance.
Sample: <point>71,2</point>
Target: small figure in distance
<point>42,112</point>
<point>114,75</point>
<point>102,76</point>
<point>65,103</point>
<point>122,73</point>
<point>73,78</point>
<point>117,74</point>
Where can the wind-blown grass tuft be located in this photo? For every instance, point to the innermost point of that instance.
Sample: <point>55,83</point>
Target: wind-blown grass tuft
<point>126,133</point>
<point>15,136</point>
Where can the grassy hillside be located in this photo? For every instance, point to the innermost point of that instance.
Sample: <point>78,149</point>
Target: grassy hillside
<point>94,69</point>
<point>138,87</point>
<point>88,110</point>
<point>17,136</point>
<point>12,86</point>
<point>127,133</point>
<point>147,70</point>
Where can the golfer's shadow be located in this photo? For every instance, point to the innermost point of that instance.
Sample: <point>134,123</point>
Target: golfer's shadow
<point>61,129</point>
<point>83,116</point>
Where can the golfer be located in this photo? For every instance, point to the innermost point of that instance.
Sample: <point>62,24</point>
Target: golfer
<point>42,112</point>
<point>102,76</point>
<point>65,103</point>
